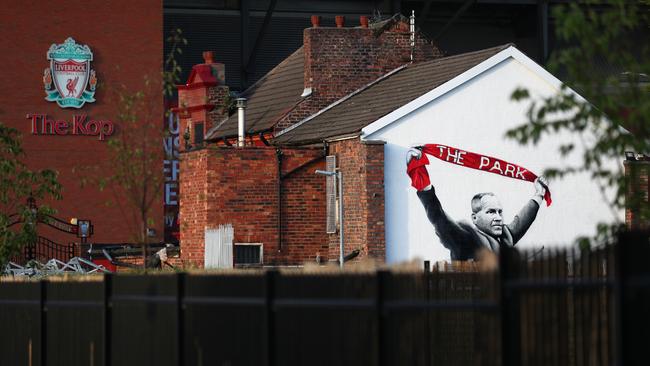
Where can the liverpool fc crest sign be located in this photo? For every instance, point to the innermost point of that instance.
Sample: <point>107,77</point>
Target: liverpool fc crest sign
<point>74,81</point>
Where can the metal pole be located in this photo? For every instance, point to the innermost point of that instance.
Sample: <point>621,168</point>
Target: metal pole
<point>340,178</point>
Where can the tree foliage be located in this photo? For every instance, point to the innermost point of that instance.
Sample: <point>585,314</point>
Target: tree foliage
<point>17,184</point>
<point>603,55</point>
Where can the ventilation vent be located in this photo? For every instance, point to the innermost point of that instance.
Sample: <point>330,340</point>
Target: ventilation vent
<point>248,254</point>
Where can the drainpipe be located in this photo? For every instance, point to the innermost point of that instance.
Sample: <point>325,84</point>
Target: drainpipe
<point>278,154</point>
<point>412,32</point>
<point>241,114</point>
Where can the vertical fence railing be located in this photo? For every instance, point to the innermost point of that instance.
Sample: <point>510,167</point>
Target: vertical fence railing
<point>560,307</point>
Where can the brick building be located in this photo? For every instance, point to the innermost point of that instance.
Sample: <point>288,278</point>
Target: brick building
<point>269,193</point>
<point>351,100</point>
<point>126,41</point>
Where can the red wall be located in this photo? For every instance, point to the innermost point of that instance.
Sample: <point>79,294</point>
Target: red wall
<point>126,39</point>
<point>239,186</point>
<point>362,167</point>
<point>637,197</point>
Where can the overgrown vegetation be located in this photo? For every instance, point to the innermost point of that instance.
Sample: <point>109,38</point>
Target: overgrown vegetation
<point>18,186</point>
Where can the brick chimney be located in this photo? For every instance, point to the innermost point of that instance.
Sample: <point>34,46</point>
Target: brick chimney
<point>202,100</point>
<point>637,173</point>
<point>341,59</point>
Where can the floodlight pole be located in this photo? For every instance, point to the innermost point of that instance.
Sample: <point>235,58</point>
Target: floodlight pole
<point>337,176</point>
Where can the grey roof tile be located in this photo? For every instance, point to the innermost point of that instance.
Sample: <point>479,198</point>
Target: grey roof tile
<point>268,99</point>
<point>381,97</point>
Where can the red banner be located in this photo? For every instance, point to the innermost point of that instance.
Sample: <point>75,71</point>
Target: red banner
<point>481,162</point>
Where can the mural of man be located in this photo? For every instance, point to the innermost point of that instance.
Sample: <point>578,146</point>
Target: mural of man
<point>487,230</point>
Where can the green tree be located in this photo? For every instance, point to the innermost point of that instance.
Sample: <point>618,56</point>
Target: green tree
<point>595,39</point>
<point>17,184</point>
<point>133,170</point>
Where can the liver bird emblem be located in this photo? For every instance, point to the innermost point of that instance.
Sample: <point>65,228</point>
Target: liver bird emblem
<point>71,85</point>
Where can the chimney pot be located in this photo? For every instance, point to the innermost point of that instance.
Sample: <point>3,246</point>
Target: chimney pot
<point>208,57</point>
<point>340,21</point>
<point>363,20</point>
<point>315,21</point>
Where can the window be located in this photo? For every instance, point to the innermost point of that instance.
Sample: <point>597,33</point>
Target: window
<point>198,133</point>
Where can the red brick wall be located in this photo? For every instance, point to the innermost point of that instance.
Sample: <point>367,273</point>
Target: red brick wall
<point>303,208</point>
<point>193,204</point>
<point>202,104</point>
<point>339,61</point>
<point>239,186</point>
<point>637,203</point>
<point>362,166</point>
<point>126,39</point>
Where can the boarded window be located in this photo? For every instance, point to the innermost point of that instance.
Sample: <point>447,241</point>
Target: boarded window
<point>330,188</point>
<point>218,247</point>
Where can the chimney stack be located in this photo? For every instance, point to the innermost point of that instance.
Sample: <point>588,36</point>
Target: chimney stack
<point>202,99</point>
<point>208,57</point>
<point>315,21</point>
<point>338,61</point>
<point>363,20</point>
<point>340,21</point>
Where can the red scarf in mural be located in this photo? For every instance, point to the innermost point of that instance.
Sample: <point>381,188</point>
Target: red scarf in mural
<point>420,178</point>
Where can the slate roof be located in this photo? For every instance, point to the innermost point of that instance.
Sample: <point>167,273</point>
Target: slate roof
<point>366,105</point>
<point>268,99</point>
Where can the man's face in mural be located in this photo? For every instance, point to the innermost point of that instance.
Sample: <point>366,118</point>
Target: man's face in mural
<point>488,214</point>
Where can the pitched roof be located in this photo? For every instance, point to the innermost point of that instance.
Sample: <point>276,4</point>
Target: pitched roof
<point>268,99</point>
<point>366,105</point>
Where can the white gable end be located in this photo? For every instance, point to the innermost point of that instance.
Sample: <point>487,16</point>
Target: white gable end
<point>472,112</point>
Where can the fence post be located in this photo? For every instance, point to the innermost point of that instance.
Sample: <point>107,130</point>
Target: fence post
<point>43,287</point>
<point>270,279</point>
<point>180,317</point>
<point>382,280</point>
<point>509,262</point>
<point>108,291</point>
<point>632,297</point>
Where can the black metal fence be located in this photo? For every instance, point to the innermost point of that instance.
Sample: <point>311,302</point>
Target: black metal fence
<point>44,249</point>
<point>561,308</point>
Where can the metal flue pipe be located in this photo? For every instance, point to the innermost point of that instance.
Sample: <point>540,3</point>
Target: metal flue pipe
<point>241,119</point>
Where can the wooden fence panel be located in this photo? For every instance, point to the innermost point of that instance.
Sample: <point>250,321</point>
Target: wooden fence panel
<point>21,323</point>
<point>224,320</point>
<point>75,323</point>
<point>144,320</point>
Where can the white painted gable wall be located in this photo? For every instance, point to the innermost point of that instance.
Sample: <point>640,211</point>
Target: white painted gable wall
<point>474,116</point>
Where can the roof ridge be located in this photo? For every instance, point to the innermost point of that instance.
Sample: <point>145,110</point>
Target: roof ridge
<point>341,100</point>
<point>465,54</point>
<point>370,101</point>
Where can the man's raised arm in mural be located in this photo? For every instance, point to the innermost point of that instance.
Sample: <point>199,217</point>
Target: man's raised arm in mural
<point>487,230</point>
